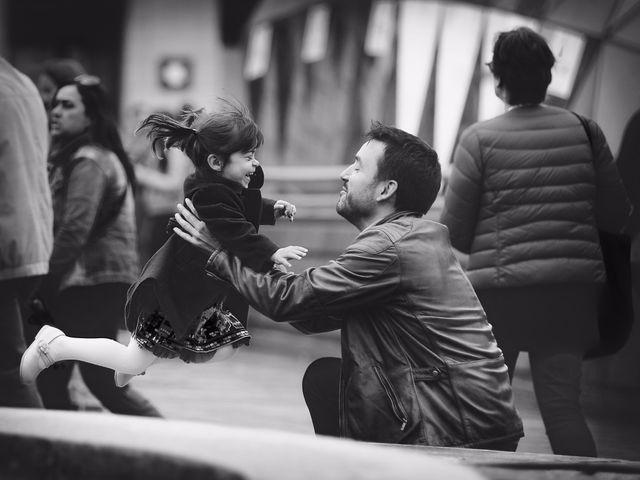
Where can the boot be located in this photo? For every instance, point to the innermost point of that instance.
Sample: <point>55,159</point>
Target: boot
<point>38,356</point>
<point>122,379</point>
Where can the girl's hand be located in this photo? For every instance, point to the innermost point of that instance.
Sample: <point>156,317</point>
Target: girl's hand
<point>284,209</point>
<point>282,256</point>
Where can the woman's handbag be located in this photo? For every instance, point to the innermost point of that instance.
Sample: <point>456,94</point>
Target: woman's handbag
<point>615,313</point>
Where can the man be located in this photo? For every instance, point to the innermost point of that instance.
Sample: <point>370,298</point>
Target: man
<point>26,216</point>
<point>419,362</point>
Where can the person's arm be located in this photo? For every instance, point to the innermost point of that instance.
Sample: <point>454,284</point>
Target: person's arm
<point>223,213</point>
<point>463,192</point>
<point>86,186</point>
<point>363,277</point>
<point>178,167</point>
<point>359,279</point>
<point>268,216</point>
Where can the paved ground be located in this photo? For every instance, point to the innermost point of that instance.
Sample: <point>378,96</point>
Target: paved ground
<point>260,387</point>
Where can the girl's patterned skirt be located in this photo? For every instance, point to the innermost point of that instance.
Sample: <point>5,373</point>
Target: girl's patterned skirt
<point>215,329</point>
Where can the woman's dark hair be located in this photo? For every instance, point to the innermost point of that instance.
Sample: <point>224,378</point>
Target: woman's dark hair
<point>411,163</point>
<point>199,134</point>
<point>103,128</point>
<point>522,63</point>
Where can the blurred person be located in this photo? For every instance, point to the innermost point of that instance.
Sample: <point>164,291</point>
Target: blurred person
<point>94,257</point>
<point>56,73</point>
<point>174,309</point>
<point>628,163</point>
<point>525,199</point>
<point>160,179</point>
<point>419,362</point>
<point>26,219</point>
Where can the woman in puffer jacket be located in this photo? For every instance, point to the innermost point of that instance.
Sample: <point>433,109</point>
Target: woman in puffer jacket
<point>527,193</point>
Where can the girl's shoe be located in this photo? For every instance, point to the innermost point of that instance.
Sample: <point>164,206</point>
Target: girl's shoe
<point>38,356</point>
<point>122,379</point>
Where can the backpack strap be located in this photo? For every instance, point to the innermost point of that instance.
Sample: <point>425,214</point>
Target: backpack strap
<point>587,130</point>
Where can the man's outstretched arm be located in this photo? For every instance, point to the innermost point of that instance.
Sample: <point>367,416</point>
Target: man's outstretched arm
<point>358,280</point>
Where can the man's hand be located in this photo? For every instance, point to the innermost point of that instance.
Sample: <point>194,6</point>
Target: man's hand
<point>283,255</point>
<point>284,209</point>
<point>194,230</point>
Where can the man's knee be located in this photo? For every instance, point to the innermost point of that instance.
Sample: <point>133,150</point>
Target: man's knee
<point>319,372</point>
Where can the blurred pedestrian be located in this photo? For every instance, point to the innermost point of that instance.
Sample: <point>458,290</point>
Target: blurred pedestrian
<point>628,163</point>
<point>174,309</point>
<point>26,219</point>
<point>54,74</point>
<point>419,362</point>
<point>524,200</point>
<point>160,179</point>
<point>94,257</point>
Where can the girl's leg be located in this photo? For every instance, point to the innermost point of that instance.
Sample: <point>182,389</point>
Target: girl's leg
<point>103,352</point>
<point>96,312</point>
<point>224,353</point>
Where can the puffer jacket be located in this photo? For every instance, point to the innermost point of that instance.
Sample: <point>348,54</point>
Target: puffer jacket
<point>82,255</point>
<point>525,195</point>
<point>420,364</point>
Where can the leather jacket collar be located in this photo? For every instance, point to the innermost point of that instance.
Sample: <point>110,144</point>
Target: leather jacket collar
<point>394,216</point>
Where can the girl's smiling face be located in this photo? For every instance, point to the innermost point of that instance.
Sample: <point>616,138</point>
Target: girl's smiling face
<point>240,167</point>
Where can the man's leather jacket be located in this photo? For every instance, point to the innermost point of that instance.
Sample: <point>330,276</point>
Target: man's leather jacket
<point>420,364</point>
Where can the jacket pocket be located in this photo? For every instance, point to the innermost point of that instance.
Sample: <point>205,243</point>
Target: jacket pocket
<point>398,410</point>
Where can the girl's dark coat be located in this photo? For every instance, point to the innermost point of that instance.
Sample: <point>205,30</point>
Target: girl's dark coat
<point>174,281</point>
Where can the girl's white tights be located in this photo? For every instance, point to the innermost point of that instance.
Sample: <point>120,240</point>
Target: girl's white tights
<point>103,352</point>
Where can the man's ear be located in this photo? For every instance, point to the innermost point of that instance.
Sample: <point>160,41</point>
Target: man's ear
<point>389,188</point>
<point>215,163</point>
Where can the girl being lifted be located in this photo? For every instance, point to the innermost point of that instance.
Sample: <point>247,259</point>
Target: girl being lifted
<point>174,310</point>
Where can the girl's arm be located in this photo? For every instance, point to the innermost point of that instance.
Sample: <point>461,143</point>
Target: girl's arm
<point>268,216</point>
<point>222,211</point>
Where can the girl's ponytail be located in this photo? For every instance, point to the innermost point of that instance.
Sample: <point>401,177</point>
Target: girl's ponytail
<point>166,132</point>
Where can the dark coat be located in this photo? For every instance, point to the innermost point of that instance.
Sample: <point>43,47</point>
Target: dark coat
<point>173,280</point>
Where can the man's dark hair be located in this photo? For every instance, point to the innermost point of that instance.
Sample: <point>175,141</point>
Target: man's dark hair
<point>522,63</point>
<point>411,163</point>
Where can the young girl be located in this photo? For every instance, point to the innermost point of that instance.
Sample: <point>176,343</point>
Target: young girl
<point>174,309</point>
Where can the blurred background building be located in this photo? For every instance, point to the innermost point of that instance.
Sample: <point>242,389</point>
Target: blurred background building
<point>315,74</point>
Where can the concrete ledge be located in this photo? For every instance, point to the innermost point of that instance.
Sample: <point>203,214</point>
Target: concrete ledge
<point>37,444</point>
<point>534,466</point>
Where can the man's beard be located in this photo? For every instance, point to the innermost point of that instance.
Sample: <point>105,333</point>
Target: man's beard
<point>351,211</point>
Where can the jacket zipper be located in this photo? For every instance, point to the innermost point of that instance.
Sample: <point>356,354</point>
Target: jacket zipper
<point>397,408</point>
